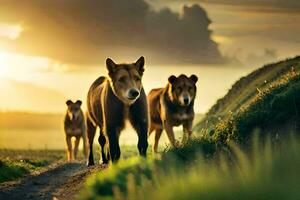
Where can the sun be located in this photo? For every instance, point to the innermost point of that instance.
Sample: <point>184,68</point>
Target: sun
<point>12,32</point>
<point>16,66</point>
<point>4,66</point>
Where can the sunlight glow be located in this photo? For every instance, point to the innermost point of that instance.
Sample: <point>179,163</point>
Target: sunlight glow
<point>221,39</point>
<point>10,31</point>
<point>16,65</point>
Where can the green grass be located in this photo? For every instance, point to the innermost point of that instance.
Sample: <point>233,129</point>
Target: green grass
<point>272,110</point>
<point>10,170</point>
<point>244,90</point>
<point>17,163</point>
<point>49,155</point>
<point>269,171</point>
<point>264,174</point>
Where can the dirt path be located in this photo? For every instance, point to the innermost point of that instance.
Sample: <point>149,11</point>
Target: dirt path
<point>61,181</point>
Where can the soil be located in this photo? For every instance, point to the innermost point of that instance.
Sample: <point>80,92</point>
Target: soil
<point>60,181</point>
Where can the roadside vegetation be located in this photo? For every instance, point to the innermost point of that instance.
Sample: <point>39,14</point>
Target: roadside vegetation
<point>17,163</point>
<point>267,172</point>
<point>10,170</point>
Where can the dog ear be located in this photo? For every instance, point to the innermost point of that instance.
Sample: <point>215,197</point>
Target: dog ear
<point>111,66</point>
<point>140,63</point>
<point>172,79</point>
<point>78,102</point>
<point>194,78</point>
<point>69,102</point>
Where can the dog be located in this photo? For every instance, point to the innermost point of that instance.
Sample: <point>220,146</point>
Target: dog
<point>74,125</point>
<point>173,106</point>
<point>113,99</point>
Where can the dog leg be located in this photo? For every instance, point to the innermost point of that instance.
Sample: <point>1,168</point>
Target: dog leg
<point>77,141</point>
<point>102,142</point>
<point>91,131</point>
<point>187,131</point>
<point>114,147</point>
<point>85,145</point>
<point>170,134</point>
<point>156,139</point>
<point>69,147</point>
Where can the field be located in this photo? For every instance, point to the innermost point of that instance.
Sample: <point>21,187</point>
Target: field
<point>246,147</point>
<point>48,133</point>
<point>17,163</point>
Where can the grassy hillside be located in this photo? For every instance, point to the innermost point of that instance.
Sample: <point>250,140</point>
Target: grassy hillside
<point>245,90</point>
<point>274,110</point>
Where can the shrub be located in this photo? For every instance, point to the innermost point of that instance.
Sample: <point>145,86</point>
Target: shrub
<point>268,172</point>
<point>116,177</point>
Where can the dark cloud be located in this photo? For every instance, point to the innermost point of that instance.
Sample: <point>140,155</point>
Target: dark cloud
<point>259,5</point>
<point>87,31</point>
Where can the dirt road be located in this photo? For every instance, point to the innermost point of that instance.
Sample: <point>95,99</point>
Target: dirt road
<point>61,181</point>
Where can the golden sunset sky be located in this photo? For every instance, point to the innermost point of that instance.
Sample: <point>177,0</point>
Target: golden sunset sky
<point>51,51</point>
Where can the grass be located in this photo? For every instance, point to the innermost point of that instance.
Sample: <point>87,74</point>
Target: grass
<point>274,108</point>
<point>17,163</point>
<point>10,170</point>
<point>269,171</point>
<point>244,90</point>
<point>265,173</point>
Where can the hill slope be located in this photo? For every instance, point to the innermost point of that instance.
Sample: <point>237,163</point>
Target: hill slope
<point>245,90</point>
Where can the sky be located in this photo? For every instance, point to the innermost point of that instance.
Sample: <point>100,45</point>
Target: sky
<point>251,31</point>
<point>51,51</point>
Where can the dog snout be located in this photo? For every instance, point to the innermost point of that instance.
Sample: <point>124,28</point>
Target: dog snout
<point>186,100</point>
<point>133,93</point>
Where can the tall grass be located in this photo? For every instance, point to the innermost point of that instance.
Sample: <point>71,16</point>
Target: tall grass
<point>269,171</point>
<point>273,108</point>
<point>245,89</point>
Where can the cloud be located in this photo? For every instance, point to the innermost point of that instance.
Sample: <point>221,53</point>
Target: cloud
<point>258,5</point>
<point>88,31</point>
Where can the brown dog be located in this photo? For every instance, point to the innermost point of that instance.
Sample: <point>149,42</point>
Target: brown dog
<point>111,100</point>
<point>74,125</point>
<point>173,106</point>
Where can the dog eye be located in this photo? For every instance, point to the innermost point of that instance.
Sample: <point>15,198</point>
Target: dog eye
<point>137,78</point>
<point>190,88</point>
<point>122,79</point>
<point>179,89</point>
